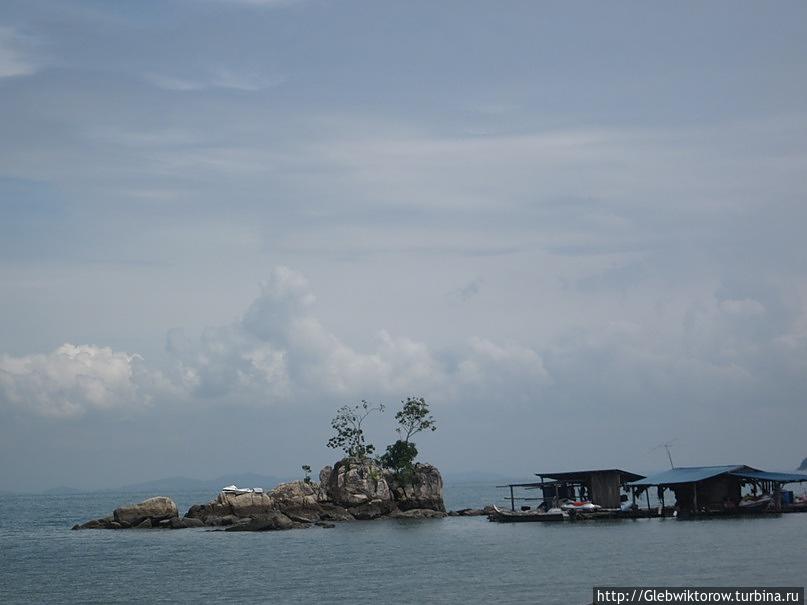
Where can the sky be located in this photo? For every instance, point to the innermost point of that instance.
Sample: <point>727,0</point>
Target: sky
<point>575,228</point>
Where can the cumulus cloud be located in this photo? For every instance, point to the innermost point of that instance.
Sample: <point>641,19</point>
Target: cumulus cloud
<point>697,345</point>
<point>279,351</point>
<point>74,379</point>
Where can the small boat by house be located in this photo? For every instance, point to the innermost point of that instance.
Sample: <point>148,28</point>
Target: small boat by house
<point>751,504</point>
<point>580,506</point>
<point>527,516</point>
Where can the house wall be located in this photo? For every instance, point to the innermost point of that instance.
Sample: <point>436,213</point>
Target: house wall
<point>605,489</point>
<point>711,492</point>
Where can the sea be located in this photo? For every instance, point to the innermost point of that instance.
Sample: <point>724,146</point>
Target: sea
<point>452,560</point>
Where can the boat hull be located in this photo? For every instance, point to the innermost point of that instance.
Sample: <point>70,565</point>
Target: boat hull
<point>502,516</point>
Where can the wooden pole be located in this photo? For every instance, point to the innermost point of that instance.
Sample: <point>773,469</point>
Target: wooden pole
<point>662,500</point>
<point>512,500</point>
<point>647,493</point>
<point>695,496</point>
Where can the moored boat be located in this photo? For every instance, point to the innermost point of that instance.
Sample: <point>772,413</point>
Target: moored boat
<point>527,516</point>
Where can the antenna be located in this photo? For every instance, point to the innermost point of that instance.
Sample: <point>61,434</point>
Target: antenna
<point>667,445</point>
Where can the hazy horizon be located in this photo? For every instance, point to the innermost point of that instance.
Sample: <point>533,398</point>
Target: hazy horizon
<point>576,230</point>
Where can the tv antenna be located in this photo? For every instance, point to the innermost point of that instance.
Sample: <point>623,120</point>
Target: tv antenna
<point>667,445</point>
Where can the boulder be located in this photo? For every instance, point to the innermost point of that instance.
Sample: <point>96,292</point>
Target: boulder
<point>356,481</point>
<point>245,505</point>
<point>144,524</point>
<point>102,523</point>
<point>334,512</point>
<point>372,510</point>
<point>156,509</point>
<point>186,522</point>
<point>303,514</point>
<point>230,504</point>
<point>296,494</point>
<point>423,490</point>
<point>325,476</point>
<point>267,522</point>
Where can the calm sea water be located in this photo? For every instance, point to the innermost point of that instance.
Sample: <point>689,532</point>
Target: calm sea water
<point>453,560</point>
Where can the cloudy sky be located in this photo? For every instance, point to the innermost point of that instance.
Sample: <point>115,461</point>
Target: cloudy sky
<point>577,229</point>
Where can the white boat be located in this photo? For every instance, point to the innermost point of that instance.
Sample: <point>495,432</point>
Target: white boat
<point>587,507</point>
<point>232,489</point>
<point>506,516</point>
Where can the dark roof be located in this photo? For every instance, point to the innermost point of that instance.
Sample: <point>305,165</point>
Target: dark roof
<point>584,475</point>
<point>688,474</point>
<point>767,476</point>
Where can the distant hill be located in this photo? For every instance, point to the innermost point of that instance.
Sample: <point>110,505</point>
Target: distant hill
<point>215,484</point>
<point>803,465</point>
<point>176,484</point>
<point>62,490</point>
<point>475,477</point>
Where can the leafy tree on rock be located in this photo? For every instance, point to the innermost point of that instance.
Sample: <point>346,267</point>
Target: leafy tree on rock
<point>349,432</point>
<point>413,418</point>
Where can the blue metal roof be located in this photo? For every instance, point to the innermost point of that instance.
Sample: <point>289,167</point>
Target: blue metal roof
<point>688,474</point>
<point>766,476</point>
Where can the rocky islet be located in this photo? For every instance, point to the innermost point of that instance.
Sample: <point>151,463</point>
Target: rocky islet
<point>353,489</point>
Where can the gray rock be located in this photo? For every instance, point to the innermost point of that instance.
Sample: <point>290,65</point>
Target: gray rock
<point>333,512</point>
<point>372,510</point>
<point>423,490</point>
<point>303,514</point>
<point>156,509</point>
<point>186,522</point>
<point>144,524</point>
<point>325,475</point>
<point>102,523</point>
<point>297,494</point>
<point>325,525</point>
<point>269,522</point>
<point>355,481</point>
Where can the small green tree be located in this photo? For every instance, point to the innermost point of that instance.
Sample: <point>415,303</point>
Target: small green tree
<point>347,425</point>
<point>413,417</point>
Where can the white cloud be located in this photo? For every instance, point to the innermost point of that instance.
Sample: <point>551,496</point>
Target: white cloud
<point>745,307</point>
<point>13,61</point>
<point>74,379</point>
<point>279,351</point>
